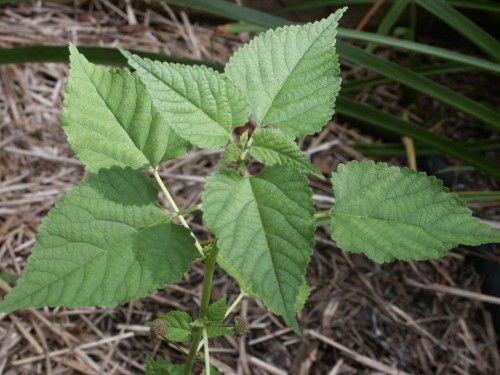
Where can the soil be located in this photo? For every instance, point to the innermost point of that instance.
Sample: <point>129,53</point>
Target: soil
<point>361,317</point>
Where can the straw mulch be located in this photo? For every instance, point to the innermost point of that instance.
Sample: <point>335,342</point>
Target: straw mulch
<point>361,318</point>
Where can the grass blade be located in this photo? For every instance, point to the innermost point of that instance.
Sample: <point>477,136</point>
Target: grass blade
<point>419,83</point>
<point>233,11</point>
<point>392,123</point>
<point>463,25</point>
<point>390,19</point>
<point>362,83</point>
<point>420,48</point>
<point>97,55</point>
<point>479,196</point>
<point>311,4</point>
<point>488,6</point>
<point>398,149</point>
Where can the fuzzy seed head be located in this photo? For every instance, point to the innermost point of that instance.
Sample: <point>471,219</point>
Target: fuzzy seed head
<point>158,330</point>
<point>240,326</point>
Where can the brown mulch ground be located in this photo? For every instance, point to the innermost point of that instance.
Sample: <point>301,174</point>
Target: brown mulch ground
<point>361,318</point>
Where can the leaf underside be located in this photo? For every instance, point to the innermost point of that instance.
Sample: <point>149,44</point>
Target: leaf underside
<point>217,310</point>
<point>178,328</point>
<point>162,367</point>
<point>110,120</point>
<point>272,147</point>
<point>202,105</point>
<point>391,213</point>
<point>290,76</point>
<point>265,233</point>
<point>105,243</point>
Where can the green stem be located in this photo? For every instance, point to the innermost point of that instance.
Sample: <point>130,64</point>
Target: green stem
<point>205,302</point>
<point>322,217</point>
<point>234,304</point>
<point>175,208</point>
<point>207,352</point>
<point>187,211</point>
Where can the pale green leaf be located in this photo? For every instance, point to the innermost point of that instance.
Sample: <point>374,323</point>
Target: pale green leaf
<point>217,330</point>
<point>391,213</point>
<point>215,318</point>
<point>105,243</point>
<point>110,120</point>
<point>302,297</point>
<point>202,105</point>
<point>271,147</point>
<point>176,146</point>
<point>265,232</point>
<point>217,310</point>
<point>213,371</point>
<point>232,154</point>
<point>290,76</point>
<point>178,326</point>
<point>162,367</point>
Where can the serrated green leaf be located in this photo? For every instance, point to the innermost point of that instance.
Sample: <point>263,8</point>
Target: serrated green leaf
<point>217,330</point>
<point>178,326</point>
<point>302,297</point>
<point>202,105</point>
<point>273,147</point>
<point>232,154</point>
<point>110,120</point>
<point>162,367</point>
<point>213,371</point>
<point>8,278</point>
<point>176,146</point>
<point>390,213</point>
<point>105,243</point>
<point>217,310</point>
<point>265,232</point>
<point>290,76</point>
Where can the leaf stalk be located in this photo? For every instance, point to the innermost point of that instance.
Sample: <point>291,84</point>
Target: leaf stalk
<point>172,204</point>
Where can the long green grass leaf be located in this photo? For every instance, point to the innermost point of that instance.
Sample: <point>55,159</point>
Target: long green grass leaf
<point>419,83</point>
<point>392,123</point>
<point>463,25</point>
<point>96,55</point>
<point>479,196</point>
<point>233,11</point>
<point>420,48</point>
<point>488,6</point>
<point>446,68</point>
<point>389,20</point>
<point>311,4</point>
<point>398,149</point>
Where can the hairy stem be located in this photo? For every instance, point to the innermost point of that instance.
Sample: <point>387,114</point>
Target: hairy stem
<point>205,301</point>
<point>175,208</point>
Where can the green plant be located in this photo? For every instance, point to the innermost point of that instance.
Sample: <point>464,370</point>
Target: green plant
<point>108,241</point>
<point>390,71</point>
